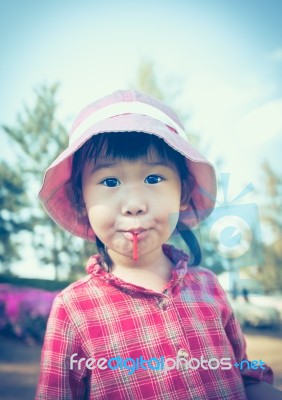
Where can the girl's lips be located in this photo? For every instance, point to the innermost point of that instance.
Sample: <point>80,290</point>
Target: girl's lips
<point>140,235</point>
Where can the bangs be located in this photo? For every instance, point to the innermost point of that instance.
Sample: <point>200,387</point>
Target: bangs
<point>130,146</point>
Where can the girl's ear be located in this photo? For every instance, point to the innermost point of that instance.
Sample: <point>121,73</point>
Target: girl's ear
<point>82,205</point>
<point>186,191</point>
<point>83,210</point>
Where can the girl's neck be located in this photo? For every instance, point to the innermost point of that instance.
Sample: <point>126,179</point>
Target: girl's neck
<point>151,272</point>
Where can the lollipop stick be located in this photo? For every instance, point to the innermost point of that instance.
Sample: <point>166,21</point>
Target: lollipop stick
<point>135,247</point>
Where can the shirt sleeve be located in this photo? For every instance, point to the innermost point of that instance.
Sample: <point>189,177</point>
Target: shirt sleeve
<point>57,379</point>
<point>238,342</point>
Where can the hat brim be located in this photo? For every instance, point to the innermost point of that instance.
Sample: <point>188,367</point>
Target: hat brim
<point>57,203</point>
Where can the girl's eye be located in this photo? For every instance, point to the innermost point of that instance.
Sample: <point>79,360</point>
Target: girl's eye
<point>110,182</point>
<point>153,179</point>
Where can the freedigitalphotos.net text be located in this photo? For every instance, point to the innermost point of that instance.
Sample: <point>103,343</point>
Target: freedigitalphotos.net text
<point>160,364</point>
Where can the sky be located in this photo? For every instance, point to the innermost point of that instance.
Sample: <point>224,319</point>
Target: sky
<point>223,57</point>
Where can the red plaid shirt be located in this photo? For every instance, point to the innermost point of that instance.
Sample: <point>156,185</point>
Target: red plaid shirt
<point>101,316</point>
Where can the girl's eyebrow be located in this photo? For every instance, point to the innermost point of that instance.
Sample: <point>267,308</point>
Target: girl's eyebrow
<point>104,165</point>
<point>156,164</point>
<point>100,165</point>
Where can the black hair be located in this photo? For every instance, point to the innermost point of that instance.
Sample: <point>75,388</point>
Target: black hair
<point>132,146</point>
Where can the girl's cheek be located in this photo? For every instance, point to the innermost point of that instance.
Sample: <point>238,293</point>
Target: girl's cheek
<point>102,214</point>
<point>173,219</point>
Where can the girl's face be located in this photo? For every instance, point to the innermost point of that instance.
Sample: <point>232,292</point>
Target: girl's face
<point>122,197</point>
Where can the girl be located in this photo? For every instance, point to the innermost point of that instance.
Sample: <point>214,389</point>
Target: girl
<point>146,323</point>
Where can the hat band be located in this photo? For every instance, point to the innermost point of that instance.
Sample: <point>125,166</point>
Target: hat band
<point>132,107</point>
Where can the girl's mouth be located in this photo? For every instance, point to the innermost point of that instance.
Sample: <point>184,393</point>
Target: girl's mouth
<point>135,237</point>
<point>130,235</point>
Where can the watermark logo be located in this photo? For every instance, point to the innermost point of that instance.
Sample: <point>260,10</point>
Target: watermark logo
<point>231,234</point>
<point>246,364</point>
<point>161,364</point>
<point>234,228</point>
<point>230,237</point>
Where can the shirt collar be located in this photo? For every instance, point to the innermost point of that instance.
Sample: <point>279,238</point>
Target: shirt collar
<point>178,257</point>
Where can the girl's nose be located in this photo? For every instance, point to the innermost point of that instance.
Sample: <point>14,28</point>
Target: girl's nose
<point>134,205</point>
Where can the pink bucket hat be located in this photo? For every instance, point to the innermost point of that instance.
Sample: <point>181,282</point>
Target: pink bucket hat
<point>125,111</point>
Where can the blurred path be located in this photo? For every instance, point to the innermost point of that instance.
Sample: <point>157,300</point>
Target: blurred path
<point>19,369</point>
<point>19,363</point>
<point>266,345</point>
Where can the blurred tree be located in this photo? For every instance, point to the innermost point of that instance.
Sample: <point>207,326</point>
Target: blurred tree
<point>270,274</point>
<point>273,191</point>
<point>146,80</point>
<point>168,91</point>
<point>13,202</point>
<point>38,133</point>
<point>40,137</point>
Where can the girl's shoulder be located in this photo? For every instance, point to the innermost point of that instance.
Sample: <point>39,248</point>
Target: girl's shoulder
<point>201,272</point>
<point>203,288</point>
<point>205,280</point>
<point>75,289</point>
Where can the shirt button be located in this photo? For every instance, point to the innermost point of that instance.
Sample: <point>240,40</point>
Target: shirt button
<point>182,353</point>
<point>162,304</point>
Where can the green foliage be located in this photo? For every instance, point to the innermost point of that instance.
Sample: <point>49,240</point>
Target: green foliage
<point>146,81</point>
<point>167,90</point>
<point>38,133</point>
<point>13,201</point>
<point>270,274</point>
<point>39,138</point>
<point>272,209</point>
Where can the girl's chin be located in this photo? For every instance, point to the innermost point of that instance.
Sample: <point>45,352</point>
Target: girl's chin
<point>142,251</point>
